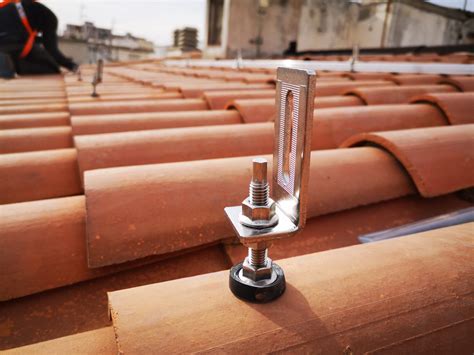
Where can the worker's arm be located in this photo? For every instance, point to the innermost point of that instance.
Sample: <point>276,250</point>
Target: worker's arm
<point>48,27</point>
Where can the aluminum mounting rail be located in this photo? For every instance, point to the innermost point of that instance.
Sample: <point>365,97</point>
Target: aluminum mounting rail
<point>347,66</point>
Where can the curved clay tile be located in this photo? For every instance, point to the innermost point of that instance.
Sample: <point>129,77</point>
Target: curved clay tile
<point>217,100</point>
<point>31,120</point>
<point>395,95</point>
<point>105,90</point>
<point>342,229</point>
<point>36,108</point>
<point>254,110</point>
<point>6,103</point>
<point>368,76</point>
<point>33,139</point>
<point>98,341</point>
<point>59,224</point>
<point>416,79</point>
<point>38,175</point>
<point>440,160</point>
<point>332,126</point>
<point>339,87</point>
<point>125,97</point>
<point>95,124</point>
<point>187,203</point>
<point>197,90</point>
<point>31,92</point>
<point>337,101</point>
<point>102,108</point>
<point>171,145</point>
<point>339,301</point>
<point>457,107</point>
<point>463,83</point>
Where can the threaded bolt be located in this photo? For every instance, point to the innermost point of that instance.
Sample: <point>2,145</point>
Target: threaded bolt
<point>259,190</point>
<point>258,257</point>
<point>259,195</point>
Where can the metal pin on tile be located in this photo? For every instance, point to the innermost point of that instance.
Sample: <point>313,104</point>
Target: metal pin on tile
<point>263,217</point>
<point>97,79</point>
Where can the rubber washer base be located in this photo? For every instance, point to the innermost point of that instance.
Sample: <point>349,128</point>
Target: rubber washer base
<point>257,294</point>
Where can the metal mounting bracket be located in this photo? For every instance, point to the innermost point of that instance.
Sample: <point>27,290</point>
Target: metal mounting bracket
<point>291,158</point>
<point>97,79</point>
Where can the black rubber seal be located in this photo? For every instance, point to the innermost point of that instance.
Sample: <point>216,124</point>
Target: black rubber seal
<point>257,294</point>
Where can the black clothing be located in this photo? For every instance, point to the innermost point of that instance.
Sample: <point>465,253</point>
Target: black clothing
<point>45,57</point>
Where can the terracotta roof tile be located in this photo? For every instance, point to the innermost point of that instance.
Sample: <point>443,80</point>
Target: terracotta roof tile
<point>26,94</point>
<point>438,159</point>
<point>93,124</point>
<point>38,175</point>
<point>217,100</point>
<point>118,232</point>
<point>254,110</point>
<point>98,108</point>
<point>9,103</point>
<point>342,229</point>
<point>31,120</point>
<point>197,90</point>
<point>318,309</point>
<point>126,97</point>
<point>130,237</point>
<point>334,125</point>
<point>83,306</point>
<point>22,109</point>
<point>338,88</point>
<point>368,76</point>
<point>463,83</point>
<point>456,107</point>
<point>174,144</point>
<point>395,95</point>
<point>416,79</point>
<point>31,139</point>
<point>100,341</point>
<point>337,101</point>
<point>158,146</point>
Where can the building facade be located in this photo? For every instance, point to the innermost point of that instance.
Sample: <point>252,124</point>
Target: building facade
<point>268,28</point>
<point>87,43</point>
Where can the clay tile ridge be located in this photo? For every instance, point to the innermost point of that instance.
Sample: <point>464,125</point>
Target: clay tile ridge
<point>315,313</point>
<point>98,341</point>
<point>254,110</point>
<point>463,83</point>
<point>395,95</point>
<point>440,160</point>
<point>457,107</point>
<point>188,207</point>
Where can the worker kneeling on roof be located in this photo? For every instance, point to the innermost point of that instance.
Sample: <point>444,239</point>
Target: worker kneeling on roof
<point>22,51</point>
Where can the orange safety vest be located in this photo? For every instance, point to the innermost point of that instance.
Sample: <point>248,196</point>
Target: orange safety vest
<point>24,19</point>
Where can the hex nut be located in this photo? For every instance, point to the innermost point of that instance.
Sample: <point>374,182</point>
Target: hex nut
<point>257,274</point>
<point>255,213</point>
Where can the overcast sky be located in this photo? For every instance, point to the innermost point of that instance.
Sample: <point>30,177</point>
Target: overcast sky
<point>153,19</point>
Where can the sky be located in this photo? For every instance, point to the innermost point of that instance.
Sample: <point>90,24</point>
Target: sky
<point>152,19</point>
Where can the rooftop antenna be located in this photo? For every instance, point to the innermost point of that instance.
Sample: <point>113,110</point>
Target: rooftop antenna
<point>97,79</point>
<point>261,219</point>
<point>82,9</point>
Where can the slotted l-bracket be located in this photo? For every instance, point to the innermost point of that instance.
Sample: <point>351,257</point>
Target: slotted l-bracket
<point>291,157</point>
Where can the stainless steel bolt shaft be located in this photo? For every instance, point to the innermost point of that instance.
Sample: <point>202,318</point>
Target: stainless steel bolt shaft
<point>259,194</point>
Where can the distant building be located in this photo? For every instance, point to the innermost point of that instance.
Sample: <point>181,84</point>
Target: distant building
<point>268,28</point>
<point>184,41</point>
<point>87,43</point>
